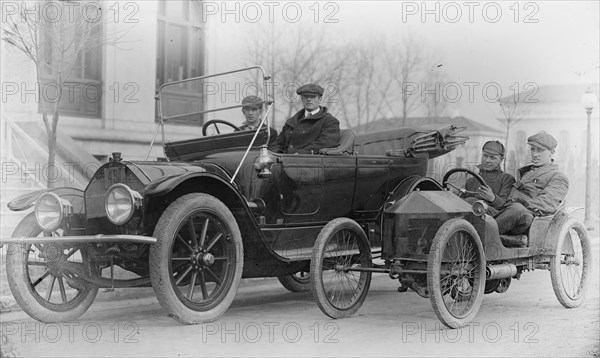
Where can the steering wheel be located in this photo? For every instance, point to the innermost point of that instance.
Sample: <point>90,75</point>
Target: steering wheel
<point>446,184</point>
<point>214,122</point>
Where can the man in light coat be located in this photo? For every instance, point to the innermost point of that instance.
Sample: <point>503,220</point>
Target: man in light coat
<point>540,188</point>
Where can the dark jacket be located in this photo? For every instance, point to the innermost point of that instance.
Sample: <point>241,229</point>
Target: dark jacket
<point>500,182</point>
<point>540,189</point>
<point>308,135</point>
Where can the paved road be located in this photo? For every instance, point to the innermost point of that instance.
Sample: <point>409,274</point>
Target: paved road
<point>266,320</point>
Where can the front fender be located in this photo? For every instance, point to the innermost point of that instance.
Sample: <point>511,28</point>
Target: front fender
<point>165,184</point>
<point>26,201</point>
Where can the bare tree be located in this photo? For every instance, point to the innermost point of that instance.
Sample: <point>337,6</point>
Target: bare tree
<point>513,109</point>
<point>365,87</point>
<point>53,38</point>
<point>433,82</point>
<point>404,61</point>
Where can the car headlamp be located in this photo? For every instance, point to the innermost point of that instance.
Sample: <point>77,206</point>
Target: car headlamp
<point>121,203</point>
<point>51,210</point>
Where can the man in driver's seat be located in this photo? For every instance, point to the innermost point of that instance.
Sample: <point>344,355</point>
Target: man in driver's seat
<point>252,109</point>
<point>540,188</point>
<point>311,129</point>
<point>498,183</point>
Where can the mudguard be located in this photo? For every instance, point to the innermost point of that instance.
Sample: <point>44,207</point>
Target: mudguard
<point>26,201</point>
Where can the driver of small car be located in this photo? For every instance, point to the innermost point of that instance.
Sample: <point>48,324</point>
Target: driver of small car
<point>310,129</point>
<point>498,183</point>
<point>252,108</point>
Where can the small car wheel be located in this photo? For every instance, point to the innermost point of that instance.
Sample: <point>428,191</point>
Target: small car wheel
<point>570,266</point>
<point>196,263</point>
<point>298,282</point>
<point>456,273</point>
<point>41,285</point>
<point>340,247</point>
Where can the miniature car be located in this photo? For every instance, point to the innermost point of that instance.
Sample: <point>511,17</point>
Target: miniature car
<point>219,209</point>
<point>438,245</point>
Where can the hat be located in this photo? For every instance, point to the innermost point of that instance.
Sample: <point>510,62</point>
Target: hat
<point>542,140</point>
<point>493,147</point>
<point>253,102</point>
<point>311,88</point>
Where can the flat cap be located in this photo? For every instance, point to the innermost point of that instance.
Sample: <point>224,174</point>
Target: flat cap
<point>311,88</point>
<point>493,147</point>
<point>253,102</point>
<point>542,140</point>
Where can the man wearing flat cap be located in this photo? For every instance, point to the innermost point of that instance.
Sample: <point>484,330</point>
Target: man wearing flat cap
<point>539,190</point>
<point>311,129</point>
<point>252,110</point>
<point>498,183</point>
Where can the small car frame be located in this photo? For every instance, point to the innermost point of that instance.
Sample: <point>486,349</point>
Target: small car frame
<point>447,250</point>
<point>219,208</point>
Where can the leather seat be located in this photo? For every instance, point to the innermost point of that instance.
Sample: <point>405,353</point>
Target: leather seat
<point>346,145</point>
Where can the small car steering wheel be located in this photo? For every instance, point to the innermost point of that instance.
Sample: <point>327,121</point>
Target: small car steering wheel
<point>214,122</point>
<point>447,184</point>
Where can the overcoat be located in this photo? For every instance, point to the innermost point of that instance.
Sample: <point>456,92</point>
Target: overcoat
<point>500,182</point>
<point>540,189</point>
<point>308,135</point>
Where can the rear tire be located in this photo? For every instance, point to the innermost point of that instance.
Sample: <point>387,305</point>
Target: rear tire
<point>570,266</point>
<point>297,282</point>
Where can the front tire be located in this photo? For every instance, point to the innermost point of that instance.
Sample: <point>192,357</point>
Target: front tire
<point>456,273</point>
<point>37,273</point>
<point>341,245</point>
<point>196,264</point>
<point>570,266</point>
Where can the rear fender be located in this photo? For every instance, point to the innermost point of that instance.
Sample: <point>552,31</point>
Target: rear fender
<point>411,184</point>
<point>26,201</point>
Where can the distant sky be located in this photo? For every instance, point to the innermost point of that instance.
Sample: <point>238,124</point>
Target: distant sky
<point>504,42</point>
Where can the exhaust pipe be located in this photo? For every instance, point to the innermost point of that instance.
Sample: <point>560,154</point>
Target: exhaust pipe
<point>493,272</point>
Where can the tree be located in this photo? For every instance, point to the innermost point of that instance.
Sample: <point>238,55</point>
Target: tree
<point>513,109</point>
<point>54,38</point>
<point>404,61</point>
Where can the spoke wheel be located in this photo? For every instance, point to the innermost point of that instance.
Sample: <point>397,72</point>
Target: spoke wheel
<point>196,264</point>
<point>341,245</point>
<point>298,282</point>
<point>456,273</point>
<point>40,279</point>
<point>570,266</point>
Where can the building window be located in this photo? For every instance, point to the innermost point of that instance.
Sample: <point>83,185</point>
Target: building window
<point>81,94</point>
<point>180,55</point>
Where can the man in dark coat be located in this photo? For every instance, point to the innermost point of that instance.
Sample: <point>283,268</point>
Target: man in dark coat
<point>540,188</point>
<point>311,129</point>
<point>498,183</point>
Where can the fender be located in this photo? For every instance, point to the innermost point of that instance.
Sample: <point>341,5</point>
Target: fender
<point>413,183</point>
<point>26,201</point>
<point>165,184</point>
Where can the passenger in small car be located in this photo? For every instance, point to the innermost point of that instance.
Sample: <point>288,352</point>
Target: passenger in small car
<point>311,129</point>
<point>539,190</point>
<point>253,111</point>
<point>499,183</point>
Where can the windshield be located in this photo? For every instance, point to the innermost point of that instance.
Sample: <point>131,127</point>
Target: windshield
<point>212,105</point>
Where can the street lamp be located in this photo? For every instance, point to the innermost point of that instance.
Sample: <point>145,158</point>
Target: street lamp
<point>588,101</point>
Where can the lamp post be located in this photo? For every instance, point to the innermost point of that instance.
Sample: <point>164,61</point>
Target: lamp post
<point>588,101</point>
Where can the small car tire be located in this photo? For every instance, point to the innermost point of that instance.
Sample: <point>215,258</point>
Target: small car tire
<point>456,233</point>
<point>565,266</point>
<point>341,235</point>
<point>211,259</point>
<point>27,289</point>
